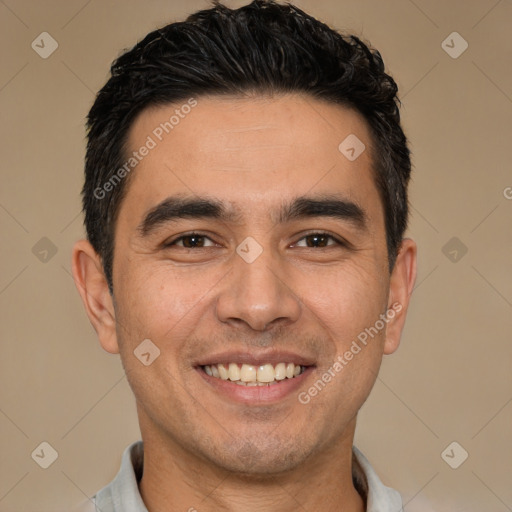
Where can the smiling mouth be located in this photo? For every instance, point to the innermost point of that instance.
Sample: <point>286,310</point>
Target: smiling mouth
<point>252,375</point>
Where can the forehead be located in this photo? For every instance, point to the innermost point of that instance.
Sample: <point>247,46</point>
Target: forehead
<point>250,152</point>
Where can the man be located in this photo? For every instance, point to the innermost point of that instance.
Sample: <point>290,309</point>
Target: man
<point>245,203</point>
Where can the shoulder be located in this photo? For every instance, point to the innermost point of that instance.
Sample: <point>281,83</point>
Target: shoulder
<point>122,491</point>
<point>379,497</point>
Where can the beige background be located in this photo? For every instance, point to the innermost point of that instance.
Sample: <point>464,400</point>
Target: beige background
<point>451,380</point>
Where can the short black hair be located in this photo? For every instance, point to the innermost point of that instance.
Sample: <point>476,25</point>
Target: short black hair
<point>261,48</point>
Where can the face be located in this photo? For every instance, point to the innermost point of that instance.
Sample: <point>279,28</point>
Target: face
<point>247,239</point>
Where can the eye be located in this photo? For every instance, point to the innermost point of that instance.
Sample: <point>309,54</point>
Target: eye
<point>191,241</point>
<point>320,240</point>
<point>310,241</point>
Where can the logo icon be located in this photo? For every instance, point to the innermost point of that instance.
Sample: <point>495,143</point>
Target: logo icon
<point>249,249</point>
<point>146,352</point>
<point>44,45</point>
<point>44,250</point>
<point>351,147</point>
<point>454,455</point>
<point>454,45</point>
<point>454,250</point>
<point>45,455</point>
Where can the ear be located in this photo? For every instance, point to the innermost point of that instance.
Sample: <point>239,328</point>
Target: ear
<point>93,288</point>
<point>401,285</point>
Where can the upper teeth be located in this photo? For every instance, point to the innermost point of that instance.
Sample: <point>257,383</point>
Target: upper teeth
<point>247,373</point>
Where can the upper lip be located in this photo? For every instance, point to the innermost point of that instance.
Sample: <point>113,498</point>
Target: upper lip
<point>255,358</point>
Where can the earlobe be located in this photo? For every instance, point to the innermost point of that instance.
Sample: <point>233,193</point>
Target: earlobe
<point>401,285</point>
<point>93,288</point>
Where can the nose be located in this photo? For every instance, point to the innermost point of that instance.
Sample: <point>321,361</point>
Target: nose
<point>258,294</point>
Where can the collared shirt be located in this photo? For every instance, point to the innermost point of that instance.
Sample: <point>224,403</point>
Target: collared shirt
<point>122,494</point>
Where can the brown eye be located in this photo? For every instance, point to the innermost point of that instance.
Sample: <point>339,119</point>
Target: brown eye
<point>191,241</point>
<point>318,240</point>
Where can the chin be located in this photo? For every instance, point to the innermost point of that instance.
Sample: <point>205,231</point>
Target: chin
<point>259,458</point>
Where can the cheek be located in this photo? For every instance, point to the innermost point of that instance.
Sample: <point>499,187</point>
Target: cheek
<point>160,301</point>
<point>347,300</point>
<point>163,306</point>
<point>348,304</point>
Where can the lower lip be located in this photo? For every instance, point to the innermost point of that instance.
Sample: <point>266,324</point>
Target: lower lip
<point>257,394</point>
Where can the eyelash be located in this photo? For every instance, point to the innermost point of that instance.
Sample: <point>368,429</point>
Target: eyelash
<point>318,233</point>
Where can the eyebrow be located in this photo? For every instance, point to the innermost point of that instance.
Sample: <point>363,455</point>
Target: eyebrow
<point>324,206</point>
<point>174,208</point>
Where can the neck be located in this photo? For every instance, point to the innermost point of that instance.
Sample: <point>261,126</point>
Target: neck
<point>176,479</point>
